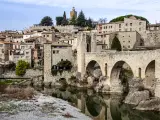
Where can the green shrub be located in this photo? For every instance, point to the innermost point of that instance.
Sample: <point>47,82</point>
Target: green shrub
<point>121,18</point>
<point>61,66</point>
<point>21,67</point>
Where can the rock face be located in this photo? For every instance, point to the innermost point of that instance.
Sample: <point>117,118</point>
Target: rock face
<point>97,73</point>
<point>136,92</point>
<point>136,97</point>
<point>153,104</point>
<point>90,80</point>
<point>135,84</point>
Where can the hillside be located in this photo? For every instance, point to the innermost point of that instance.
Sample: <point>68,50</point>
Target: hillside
<point>121,18</point>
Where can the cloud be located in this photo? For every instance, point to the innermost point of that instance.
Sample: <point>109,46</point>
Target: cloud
<point>117,4</point>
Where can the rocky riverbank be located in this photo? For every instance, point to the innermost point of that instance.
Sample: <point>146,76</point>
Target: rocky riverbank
<point>142,98</point>
<point>40,107</point>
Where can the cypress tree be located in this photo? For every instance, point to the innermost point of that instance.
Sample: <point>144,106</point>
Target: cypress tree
<point>81,21</point>
<point>64,21</point>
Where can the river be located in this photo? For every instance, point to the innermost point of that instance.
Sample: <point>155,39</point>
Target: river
<point>100,106</point>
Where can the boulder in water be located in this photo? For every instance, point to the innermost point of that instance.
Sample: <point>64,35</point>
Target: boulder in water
<point>97,73</point>
<point>152,104</point>
<point>134,98</point>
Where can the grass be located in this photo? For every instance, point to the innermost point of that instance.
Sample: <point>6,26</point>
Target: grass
<point>6,82</point>
<point>19,93</point>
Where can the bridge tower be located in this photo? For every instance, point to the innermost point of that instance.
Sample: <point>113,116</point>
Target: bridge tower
<point>86,43</point>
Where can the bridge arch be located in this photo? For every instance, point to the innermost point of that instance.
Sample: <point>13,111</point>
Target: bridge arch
<point>120,74</point>
<point>92,66</point>
<point>150,74</point>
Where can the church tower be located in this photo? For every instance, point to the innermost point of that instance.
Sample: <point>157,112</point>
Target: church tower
<point>73,13</point>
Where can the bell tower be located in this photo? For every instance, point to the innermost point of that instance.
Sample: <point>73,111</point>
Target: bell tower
<point>73,13</point>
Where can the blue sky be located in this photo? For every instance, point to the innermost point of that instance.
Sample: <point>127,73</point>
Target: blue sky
<point>19,14</point>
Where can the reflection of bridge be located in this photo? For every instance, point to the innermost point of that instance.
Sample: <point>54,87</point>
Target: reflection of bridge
<point>142,63</point>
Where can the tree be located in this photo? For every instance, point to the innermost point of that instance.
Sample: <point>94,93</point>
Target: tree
<point>73,20</point>
<point>121,18</point>
<point>64,21</point>
<point>59,20</point>
<point>89,23</point>
<point>81,21</point>
<point>21,67</point>
<point>116,45</point>
<point>46,21</point>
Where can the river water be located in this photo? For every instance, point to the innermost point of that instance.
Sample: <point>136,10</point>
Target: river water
<point>100,106</point>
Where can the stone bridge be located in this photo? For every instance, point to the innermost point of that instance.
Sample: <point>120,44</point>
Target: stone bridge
<point>143,64</point>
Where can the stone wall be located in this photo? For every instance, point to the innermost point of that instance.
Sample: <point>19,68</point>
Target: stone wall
<point>29,74</point>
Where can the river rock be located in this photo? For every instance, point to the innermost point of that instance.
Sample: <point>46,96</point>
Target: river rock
<point>136,84</point>
<point>134,98</point>
<point>102,78</point>
<point>97,73</point>
<point>47,84</point>
<point>149,105</point>
<point>90,80</point>
<point>78,75</point>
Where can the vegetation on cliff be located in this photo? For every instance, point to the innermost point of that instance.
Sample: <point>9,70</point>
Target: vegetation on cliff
<point>121,18</point>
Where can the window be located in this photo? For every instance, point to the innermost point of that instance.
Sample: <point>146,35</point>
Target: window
<point>123,46</point>
<point>57,51</point>
<point>119,25</point>
<point>140,23</point>
<point>27,52</point>
<point>126,24</point>
<point>119,29</point>
<point>111,26</point>
<point>129,41</point>
<point>130,24</point>
<point>47,35</point>
<point>123,41</point>
<point>53,51</point>
<point>43,35</point>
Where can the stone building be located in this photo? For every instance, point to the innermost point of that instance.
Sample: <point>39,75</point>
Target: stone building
<point>129,24</point>
<point>54,53</point>
<point>68,29</point>
<point>129,40</point>
<point>154,27</point>
<point>37,46</point>
<point>21,54</point>
<point>49,35</point>
<point>4,50</point>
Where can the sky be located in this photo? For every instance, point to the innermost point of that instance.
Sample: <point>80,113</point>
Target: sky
<point>20,14</point>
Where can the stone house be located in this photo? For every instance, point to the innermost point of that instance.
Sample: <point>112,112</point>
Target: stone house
<point>4,50</point>
<point>49,35</point>
<point>19,54</point>
<point>37,43</point>
<point>54,53</point>
<point>129,24</point>
<point>128,39</point>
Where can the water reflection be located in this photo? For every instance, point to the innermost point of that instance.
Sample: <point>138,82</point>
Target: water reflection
<point>99,106</point>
